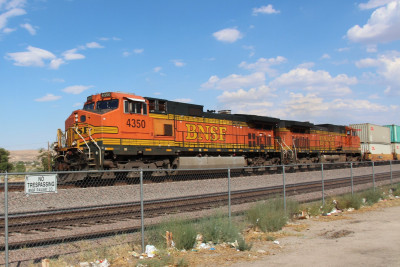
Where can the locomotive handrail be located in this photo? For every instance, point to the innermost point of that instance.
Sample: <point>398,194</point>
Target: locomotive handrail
<point>90,135</point>
<point>76,130</point>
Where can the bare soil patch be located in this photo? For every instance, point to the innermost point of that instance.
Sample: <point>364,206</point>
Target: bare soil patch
<point>23,155</point>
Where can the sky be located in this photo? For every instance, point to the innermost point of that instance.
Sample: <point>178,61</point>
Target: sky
<point>321,61</point>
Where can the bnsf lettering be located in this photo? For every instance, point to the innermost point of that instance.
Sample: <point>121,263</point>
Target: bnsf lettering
<point>136,123</point>
<point>207,132</point>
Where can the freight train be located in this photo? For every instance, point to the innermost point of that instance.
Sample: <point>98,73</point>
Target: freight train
<point>116,130</point>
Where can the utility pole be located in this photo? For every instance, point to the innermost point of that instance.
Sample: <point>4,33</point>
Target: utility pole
<point>48,156</point>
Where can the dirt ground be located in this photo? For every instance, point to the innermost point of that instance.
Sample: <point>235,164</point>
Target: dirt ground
<point>369,237</point>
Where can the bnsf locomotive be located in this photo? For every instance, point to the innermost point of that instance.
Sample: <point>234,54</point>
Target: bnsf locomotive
<point>117,130</point>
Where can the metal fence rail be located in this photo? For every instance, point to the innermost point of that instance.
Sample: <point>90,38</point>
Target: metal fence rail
<point>109,206</point>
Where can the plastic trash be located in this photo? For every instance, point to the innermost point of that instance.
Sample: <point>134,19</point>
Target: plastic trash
<point>134,254</point>
<point>204,246</point>
<point>212,248</point>
<point>276,242</point>
<point>103,263</point>
<point>150,251</point>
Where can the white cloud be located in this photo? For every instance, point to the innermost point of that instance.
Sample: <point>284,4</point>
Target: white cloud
<point>325,56</point>
<point>183,100</point>
<point>47,98</point>
<point>58,80</point>
<point>306,65</point>
<point>138,51</point>
<point>72,55</point>
<point>56,63</point>
<point>33,57</point>
<point>8,10</point>
<point>343,49</point>
<point>9,30</point>
<point>372,48</point>
<point>312,106</point>
<point>228,35</point>
<point>157,69</point>
<point>235,81</point>
<point>15,4</point>
<point>94,45</point>
<point>77,105</point>
<point>76,89</point>
<point>315,81</point>
<point>4,17</point>
<point>126,54</point>
<point>269,9</point>
<point>29,28</point>
<point>253,95</point>
<point>178,62</point>
<point>264,65</point>
<point>388,67</point>
<point>382,26</point>
<point>251,49</point>
<point>371,4</point>
<point>107,39</point>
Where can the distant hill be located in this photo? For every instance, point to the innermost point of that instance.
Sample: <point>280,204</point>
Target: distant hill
<point>23,155</point>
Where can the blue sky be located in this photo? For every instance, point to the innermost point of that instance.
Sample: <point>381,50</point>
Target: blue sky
<point>320,61</point>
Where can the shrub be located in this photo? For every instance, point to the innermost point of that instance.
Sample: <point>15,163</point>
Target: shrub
<point>267,216</point>
<point>350,201</point>
<point>218,229</point>
<point>315,209</point>
<point>183,231</point>
<point>372,196</point>
<point>243,246</point>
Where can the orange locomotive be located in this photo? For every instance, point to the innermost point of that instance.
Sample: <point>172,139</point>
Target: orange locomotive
<point>117,130</point>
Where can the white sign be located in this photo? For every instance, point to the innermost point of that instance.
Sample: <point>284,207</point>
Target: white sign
<point>38,184</point>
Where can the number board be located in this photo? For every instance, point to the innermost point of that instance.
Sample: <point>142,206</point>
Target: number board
<point>38,184</point>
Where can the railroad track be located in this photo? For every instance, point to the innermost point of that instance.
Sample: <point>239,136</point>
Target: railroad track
<point>27,225</point>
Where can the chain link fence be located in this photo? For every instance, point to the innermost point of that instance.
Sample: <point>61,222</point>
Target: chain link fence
<point>97,209</point>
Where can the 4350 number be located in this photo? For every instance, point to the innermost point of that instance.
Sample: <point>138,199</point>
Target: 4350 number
<point>136,123</point>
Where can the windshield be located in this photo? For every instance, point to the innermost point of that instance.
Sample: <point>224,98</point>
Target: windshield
<point>89,106</point>
<point>107,105</point>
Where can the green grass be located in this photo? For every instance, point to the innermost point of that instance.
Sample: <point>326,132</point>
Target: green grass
<point>350,201</point>
<point>372,196</point>
<point>270,216</point>
<point>218,229</point>
<point>184,234</point>
<point>243,246</point>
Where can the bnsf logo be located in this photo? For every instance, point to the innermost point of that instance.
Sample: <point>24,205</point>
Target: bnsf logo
<point>209,133</point>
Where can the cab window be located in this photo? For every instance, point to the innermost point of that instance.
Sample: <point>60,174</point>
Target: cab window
<point>107,105</point>
<point>88,106</point>
<point>134,107</point>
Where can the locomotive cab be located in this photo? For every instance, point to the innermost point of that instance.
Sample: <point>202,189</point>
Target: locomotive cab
<point>89,136</point>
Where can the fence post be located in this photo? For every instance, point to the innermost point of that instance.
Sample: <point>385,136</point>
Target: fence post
<point>373,174</point>
<point>141,208</point>
<point>322,181</point>
<point>284,187</point>
<point>6,218</point>
<point>229,192</point>
<point>351,177</point>
<point>391,175</point>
